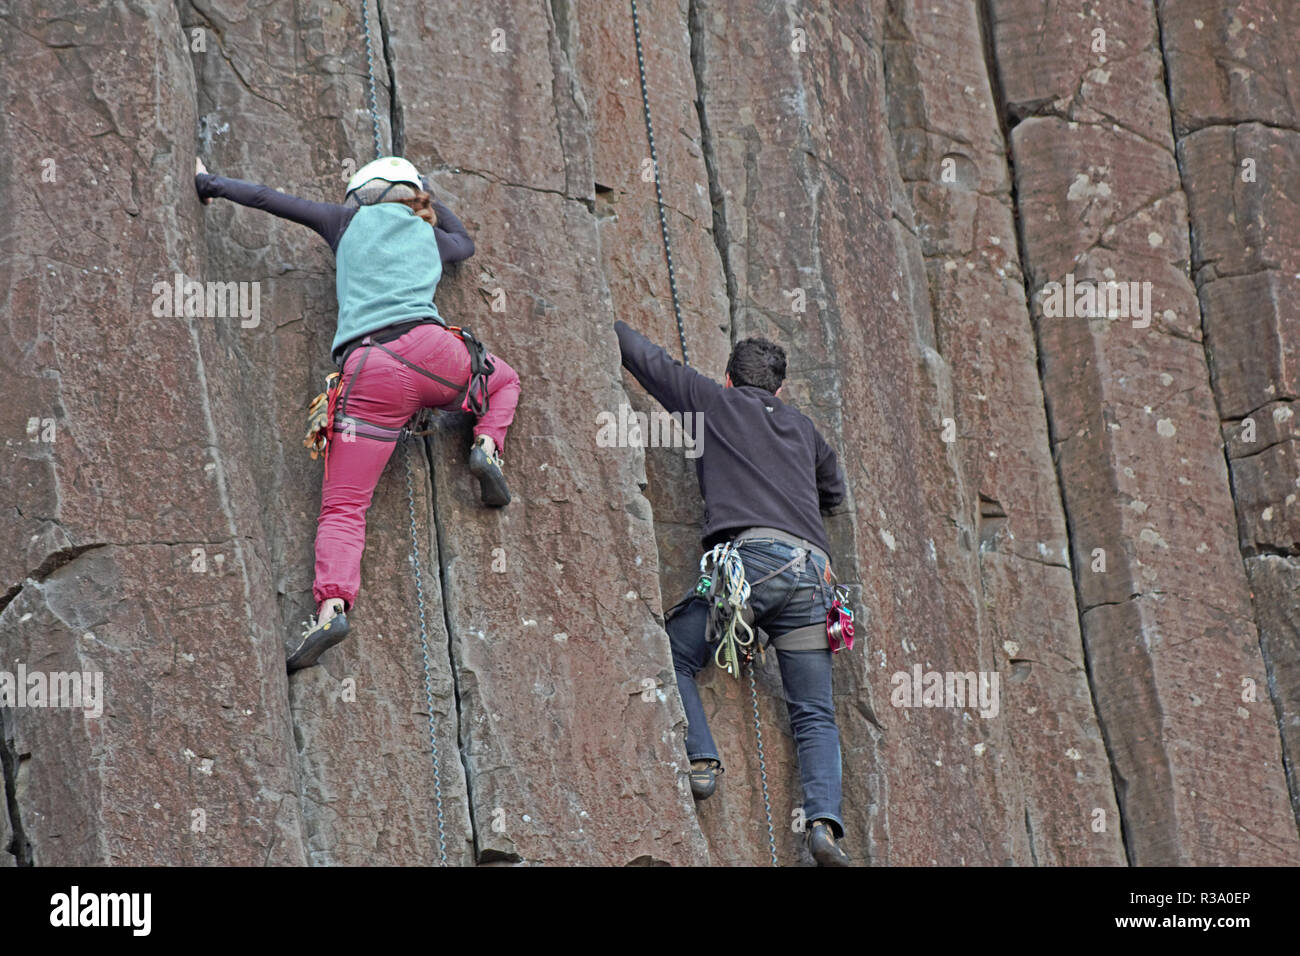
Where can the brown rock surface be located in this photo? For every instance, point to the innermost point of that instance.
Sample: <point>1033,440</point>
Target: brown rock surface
<point>1234,72</point>
<point>1169,626</point>
<point>103,569</point>
<point>953,160</point>
<point>1275,585</point>
<point>1232,60</point>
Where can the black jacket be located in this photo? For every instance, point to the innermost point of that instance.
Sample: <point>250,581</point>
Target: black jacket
<point>763,463</point>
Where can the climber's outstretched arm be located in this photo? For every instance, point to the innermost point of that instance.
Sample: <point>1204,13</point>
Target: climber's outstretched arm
<point>327,218</point>
<point>676,387</point>
<point>454,242</point>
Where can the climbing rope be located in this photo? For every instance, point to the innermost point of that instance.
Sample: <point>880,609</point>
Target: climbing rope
<point>370,76</point>
<point>730,641</point>
<point>732,594</point>
<point>424,649</point>
<point>659,194</point>
<point>762,765</point>
<point>410,502</point>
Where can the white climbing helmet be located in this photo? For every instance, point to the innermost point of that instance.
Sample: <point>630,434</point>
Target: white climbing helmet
<point>392,169</point>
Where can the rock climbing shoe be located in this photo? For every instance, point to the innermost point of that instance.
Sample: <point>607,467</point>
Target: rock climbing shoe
<point>823,846</point>
<point>317,640</point>
<point>704,778</point>
<point>492,483</point>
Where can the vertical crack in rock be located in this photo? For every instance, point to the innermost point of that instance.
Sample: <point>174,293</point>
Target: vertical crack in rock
<point>1029,832</point>
<point>561,15</point>
<point>1000,101</point>
<point>721,237</point>
<point>985,14</point>
<point>397,128</point>
<point>734,152</point>
<point>396,118</point>
<point>198,86</point>
<point>572,126</point>
<point>1275,693</point>
<point>462,727</point>
<point>1270,670</point>
<point>558,41</point>
<point>19,845</point>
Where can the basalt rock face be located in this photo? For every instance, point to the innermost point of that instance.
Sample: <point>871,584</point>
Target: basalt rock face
<point>1234,77</point>
<point>1168,622</point>
<point>1096,511</point>
<point>127,471</point>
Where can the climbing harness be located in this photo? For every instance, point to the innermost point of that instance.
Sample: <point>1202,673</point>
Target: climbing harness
<point>474,394</point>
<point>723,585</point>
<point>327,415</point>
<point>659,193</point>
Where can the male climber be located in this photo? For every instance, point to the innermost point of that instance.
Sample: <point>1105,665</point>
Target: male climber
<point>766,476</point>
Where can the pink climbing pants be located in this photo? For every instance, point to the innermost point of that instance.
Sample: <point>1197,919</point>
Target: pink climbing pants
<point>388,393</point>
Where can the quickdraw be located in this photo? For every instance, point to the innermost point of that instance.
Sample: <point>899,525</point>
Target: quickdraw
<point>839,621</point>
<point>320,420</point>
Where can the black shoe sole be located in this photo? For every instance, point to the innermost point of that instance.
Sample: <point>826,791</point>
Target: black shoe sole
<point>827,854</point>
<point>318,640</point>
<point>492,484</point>
<point>702,791</point>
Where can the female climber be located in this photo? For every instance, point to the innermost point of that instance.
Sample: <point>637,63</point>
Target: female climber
<point>390,240</point>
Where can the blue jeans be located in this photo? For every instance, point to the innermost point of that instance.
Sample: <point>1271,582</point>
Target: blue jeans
<point>790,600</point>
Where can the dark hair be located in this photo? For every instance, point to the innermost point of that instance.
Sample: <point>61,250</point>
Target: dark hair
<point>756,361</point>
